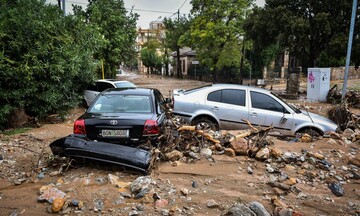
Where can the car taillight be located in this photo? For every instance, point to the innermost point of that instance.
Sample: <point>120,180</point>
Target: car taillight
<point>79,127</point>
<point>151,127</point>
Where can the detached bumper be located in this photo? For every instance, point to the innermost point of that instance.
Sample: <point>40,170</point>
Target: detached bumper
<point>131,157</point>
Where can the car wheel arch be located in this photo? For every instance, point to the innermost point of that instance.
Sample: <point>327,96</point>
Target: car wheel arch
<point>310,128</point>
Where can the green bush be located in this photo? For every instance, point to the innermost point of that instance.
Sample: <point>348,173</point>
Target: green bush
<point>46,59</point>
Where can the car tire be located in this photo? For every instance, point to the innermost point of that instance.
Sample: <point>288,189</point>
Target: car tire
<point>311,131</point>
<point>204,124</point>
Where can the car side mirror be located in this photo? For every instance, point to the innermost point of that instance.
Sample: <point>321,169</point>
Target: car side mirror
<point>285,111</point>
<point>167,100</point>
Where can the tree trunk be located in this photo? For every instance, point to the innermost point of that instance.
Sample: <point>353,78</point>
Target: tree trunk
<point>242,56</point>
<point>166,63</point>
<point>215,72</point>
<point>178,65</point>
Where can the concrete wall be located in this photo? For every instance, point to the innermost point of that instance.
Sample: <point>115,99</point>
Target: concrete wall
<point>338,73</point>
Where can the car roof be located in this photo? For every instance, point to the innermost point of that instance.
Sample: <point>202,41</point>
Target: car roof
<point>132,91</point>
<point>218,86</point>
<point>245,87</point>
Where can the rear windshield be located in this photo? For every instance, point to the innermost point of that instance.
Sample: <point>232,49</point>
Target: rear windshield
<point>121,103</point>
<point>125,85</point>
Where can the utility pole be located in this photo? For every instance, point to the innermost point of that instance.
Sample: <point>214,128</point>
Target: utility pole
<point>178,50</point>
<point>348,55</point>
<point>63,1</point>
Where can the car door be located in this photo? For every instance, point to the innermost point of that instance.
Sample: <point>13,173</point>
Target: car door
<point>266,110</point>
<point>228,105</point>
<point>90,93</point>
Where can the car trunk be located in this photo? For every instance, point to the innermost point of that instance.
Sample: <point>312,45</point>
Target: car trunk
<point>124,128</point>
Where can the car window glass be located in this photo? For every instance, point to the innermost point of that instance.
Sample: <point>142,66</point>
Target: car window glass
<point>122,104</point>
<point>92,87</point>
<point>263,101</point>
<point>103,86</point>
<point>229,96</point>
<point>159,101</point>
<point>125,85</point>
<point>233,96</point>
<point>214,96</point>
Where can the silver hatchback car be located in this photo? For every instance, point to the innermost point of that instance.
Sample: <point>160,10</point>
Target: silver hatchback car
<point>225,106</point>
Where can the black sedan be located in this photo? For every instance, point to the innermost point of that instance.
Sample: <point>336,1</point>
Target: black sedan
<point>114,126</point>
<point>123,116</point>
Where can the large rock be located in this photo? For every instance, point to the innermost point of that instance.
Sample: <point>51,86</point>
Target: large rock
<point>229,152</point>
<point>174,155</point>
<point>205,152</point>
<point>142,183</point>
<point>263,154</point>
<point>212,204</point>
<point>239,209</point>
<point>240,146</point>
<point>348,133</point>
<point>161,203</point>
<point>355,161</point>
<point>259,209</point>
<point>275,153</point>
<point>57,204</point>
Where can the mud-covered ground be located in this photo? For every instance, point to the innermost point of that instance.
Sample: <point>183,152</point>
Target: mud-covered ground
<point>203,187</point>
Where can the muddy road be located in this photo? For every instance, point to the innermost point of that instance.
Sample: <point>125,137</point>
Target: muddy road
<point>202,187</point>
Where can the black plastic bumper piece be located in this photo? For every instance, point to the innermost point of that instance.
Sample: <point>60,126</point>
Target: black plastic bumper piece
<point>127,156</point>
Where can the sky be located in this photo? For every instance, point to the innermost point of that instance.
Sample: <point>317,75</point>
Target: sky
<point>149,10</point>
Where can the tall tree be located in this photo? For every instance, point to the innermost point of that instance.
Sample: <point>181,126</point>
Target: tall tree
<point>305,27</point>
<point>174,30</point>
<point>118,29</point>
<point>150,55</point>
<point>216,32</point>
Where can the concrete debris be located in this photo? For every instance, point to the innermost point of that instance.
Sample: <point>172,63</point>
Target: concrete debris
<point>51,194</point>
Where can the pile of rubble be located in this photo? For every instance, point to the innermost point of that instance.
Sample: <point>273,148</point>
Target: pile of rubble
<point>181,141</point>
<point>352,97</point>
<point>183,144</point>
<point>343,117</point>
<point>189,145</point>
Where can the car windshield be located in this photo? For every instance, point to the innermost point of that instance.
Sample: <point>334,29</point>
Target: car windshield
<point>289,105</point>
<point>121,104</point>
<point>125,85</point>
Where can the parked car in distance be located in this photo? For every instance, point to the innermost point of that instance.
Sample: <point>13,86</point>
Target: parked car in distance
<point>123,116</point>
<point>225,106</point>
<point>101,85</point>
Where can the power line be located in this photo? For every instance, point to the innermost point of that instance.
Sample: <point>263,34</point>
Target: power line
<point>76,2</point>
<point>151,11</point>
<point>182,4</point>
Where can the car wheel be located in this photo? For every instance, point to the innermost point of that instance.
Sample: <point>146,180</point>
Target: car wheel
<point>311,131</point>
<point>204,124</point>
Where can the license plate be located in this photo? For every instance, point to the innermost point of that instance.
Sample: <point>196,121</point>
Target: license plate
<point>115,133</point>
